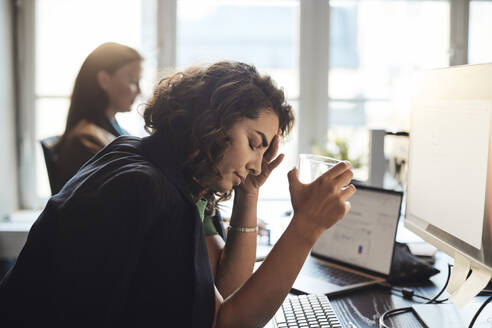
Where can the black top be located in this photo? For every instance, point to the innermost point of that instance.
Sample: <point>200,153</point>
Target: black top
<point>121,245</point>
<point>78,145</point>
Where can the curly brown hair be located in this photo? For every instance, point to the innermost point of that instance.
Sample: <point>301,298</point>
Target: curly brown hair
<point>196,108</point>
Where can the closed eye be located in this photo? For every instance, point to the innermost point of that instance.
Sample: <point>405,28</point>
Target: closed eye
<point>251,145</point>
<point>264,141</point>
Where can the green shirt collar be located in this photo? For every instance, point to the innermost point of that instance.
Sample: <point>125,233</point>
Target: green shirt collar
<point>201,205</point>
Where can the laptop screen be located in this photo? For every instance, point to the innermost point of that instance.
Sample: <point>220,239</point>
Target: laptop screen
<point>365,237</point>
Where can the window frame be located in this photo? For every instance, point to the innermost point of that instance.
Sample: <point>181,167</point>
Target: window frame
<point>313,98</point>
<point>25,71</point>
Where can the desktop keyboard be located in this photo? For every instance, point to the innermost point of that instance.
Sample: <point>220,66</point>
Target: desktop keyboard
<point>306,311</point>
<point>333,274</point>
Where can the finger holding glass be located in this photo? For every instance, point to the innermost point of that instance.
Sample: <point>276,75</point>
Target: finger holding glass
<point>321,203</point>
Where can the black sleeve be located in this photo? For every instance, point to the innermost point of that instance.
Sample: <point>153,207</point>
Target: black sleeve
<point>166,268</point>
<point>108,241</point>
<point>159,255</point>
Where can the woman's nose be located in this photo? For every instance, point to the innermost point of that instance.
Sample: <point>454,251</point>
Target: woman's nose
<point>254,166</point>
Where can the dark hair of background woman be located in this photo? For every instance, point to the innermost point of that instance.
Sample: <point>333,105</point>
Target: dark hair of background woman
<point>89,101</point>
<point>196,108</point>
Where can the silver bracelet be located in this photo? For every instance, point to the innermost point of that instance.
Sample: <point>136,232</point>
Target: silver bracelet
<point>242,229</point>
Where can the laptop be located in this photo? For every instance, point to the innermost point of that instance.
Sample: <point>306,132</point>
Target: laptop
<point>358,250</point>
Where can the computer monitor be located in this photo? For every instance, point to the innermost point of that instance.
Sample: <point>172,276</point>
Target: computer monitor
<point>449,190</point>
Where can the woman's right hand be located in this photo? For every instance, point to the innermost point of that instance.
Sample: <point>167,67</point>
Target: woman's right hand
<point>320,204</point>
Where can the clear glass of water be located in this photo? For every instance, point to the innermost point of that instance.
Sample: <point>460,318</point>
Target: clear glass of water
<point>311,166</point>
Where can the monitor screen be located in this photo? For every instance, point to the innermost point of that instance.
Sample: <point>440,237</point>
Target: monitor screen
<point>449,191</point>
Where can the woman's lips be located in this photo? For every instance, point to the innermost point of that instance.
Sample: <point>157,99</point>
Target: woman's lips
<point>241,179</point>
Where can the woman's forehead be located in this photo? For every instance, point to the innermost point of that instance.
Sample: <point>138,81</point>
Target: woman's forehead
<point>267,122</point>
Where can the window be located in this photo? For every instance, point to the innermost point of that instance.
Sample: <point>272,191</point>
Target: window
<point>480,47</point>
<point>66,32</point>
<point>354,75</point>
<point>375,46</point>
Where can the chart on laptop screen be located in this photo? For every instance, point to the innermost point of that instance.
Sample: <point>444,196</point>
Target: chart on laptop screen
<point>365,237</point>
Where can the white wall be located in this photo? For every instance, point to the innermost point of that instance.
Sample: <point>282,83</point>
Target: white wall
<point>8,157</point>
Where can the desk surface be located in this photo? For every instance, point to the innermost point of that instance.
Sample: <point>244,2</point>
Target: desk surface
<point>364,307</point>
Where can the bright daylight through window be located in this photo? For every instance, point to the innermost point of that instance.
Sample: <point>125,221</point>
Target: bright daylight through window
<point>374,47</point>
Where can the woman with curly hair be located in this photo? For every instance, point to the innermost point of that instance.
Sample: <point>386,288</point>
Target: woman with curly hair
<point>129,241</point>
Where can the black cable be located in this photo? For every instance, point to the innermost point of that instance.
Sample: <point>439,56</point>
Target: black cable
<point>479,310</point>
<point>406,293</point>
<point>409,293</point>
<point>485,292</point>
<point>434,300</point>
<point>391,313</point>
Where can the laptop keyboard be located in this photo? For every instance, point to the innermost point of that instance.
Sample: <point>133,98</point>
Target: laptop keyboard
<point>333,274</point>
<point>306,311</point>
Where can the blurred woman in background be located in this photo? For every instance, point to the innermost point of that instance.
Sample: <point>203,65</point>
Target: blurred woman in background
<point>107,83</point>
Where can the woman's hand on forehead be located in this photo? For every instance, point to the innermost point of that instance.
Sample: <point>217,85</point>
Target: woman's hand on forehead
<point>269,163</point>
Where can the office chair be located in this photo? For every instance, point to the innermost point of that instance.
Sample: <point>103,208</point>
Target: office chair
<point>50,158</point>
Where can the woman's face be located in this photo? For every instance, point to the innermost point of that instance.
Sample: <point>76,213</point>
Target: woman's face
<point>122,87</point>
<point>249,139</point>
